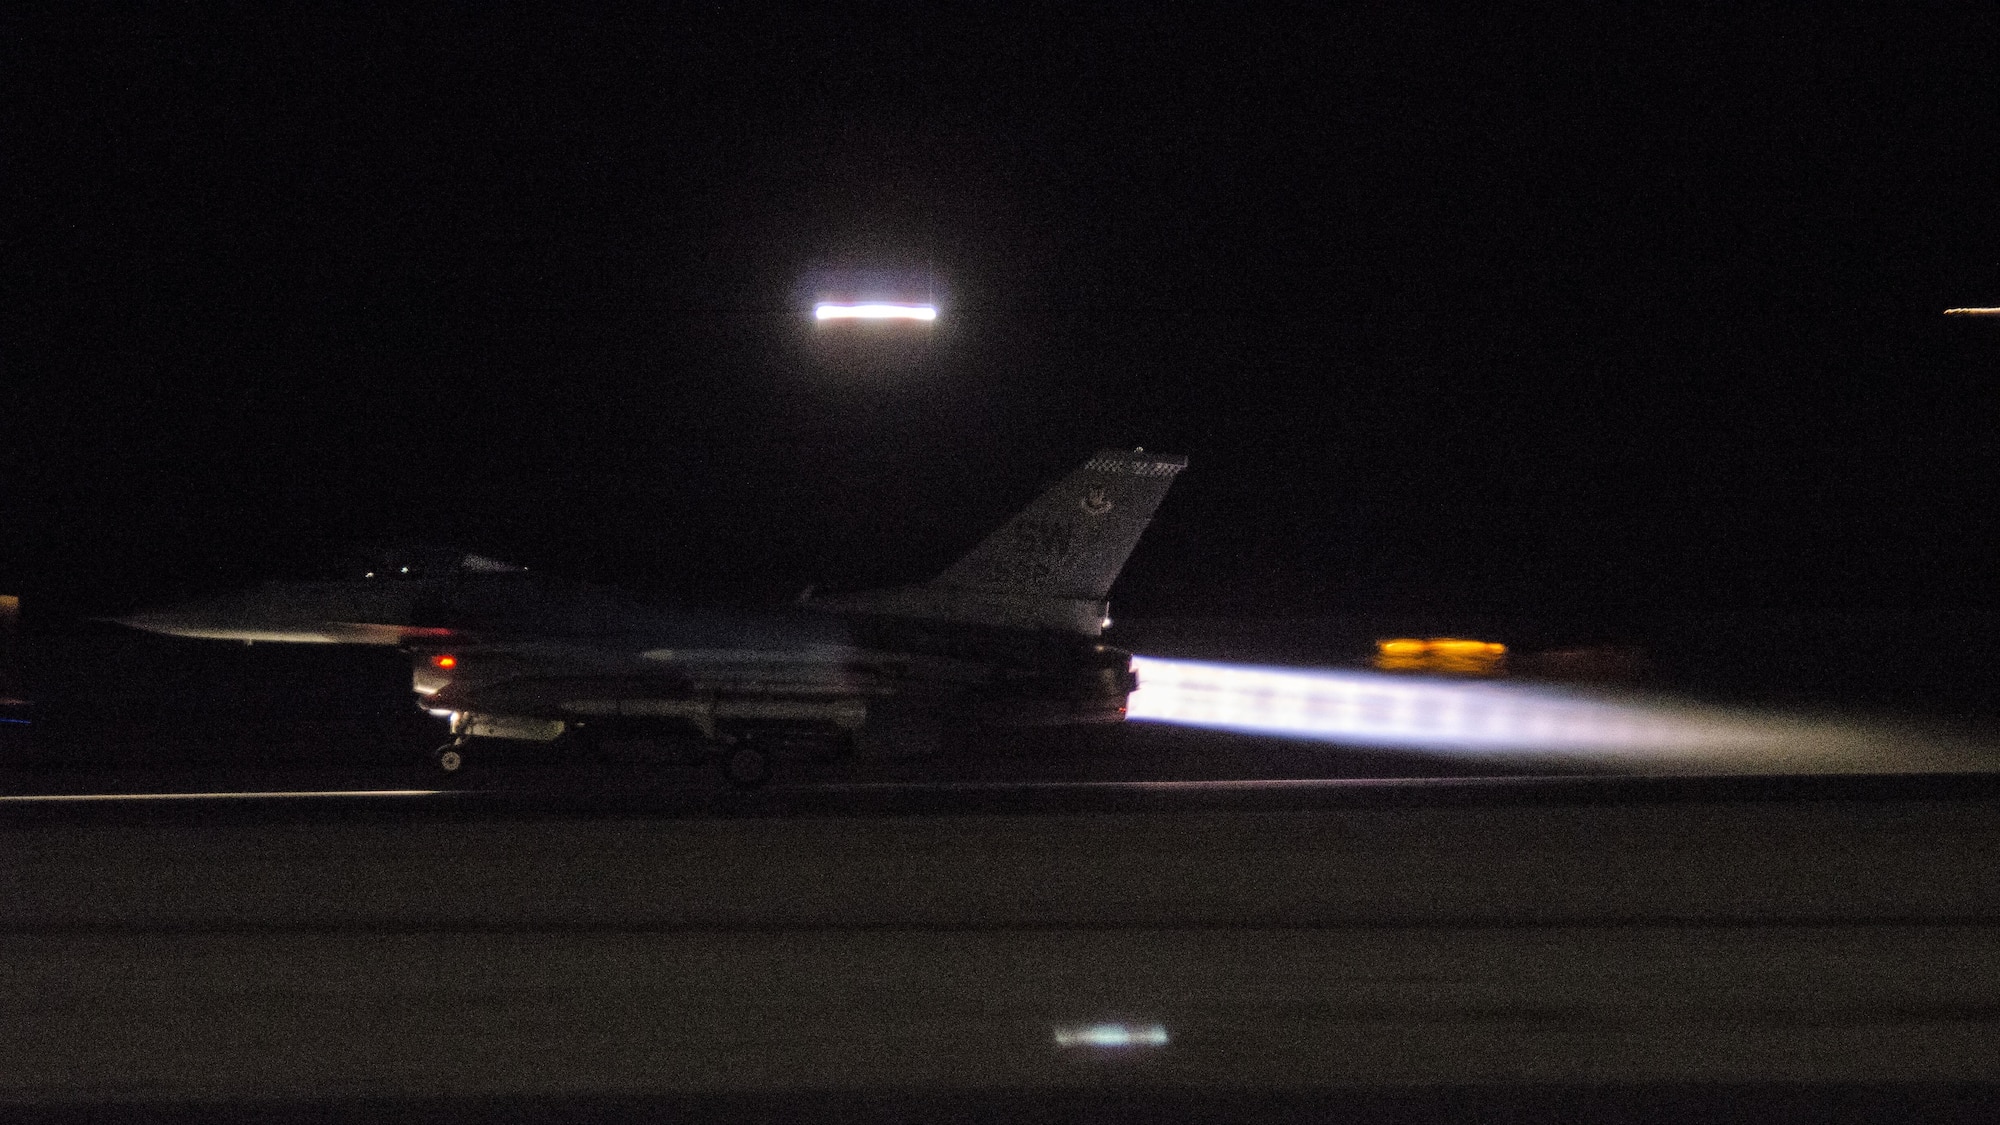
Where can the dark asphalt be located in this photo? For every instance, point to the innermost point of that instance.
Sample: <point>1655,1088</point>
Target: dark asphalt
<point>927,942</point>
<point>406,796</point>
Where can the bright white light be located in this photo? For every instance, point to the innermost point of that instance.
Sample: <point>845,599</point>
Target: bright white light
<point>1112,1035</point>
<point>1488,718</point>
<point>874,312</point>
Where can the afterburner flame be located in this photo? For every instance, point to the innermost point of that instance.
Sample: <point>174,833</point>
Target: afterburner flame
<point>1486,718</point>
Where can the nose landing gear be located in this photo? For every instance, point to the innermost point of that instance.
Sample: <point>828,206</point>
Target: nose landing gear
<point>449,760</point>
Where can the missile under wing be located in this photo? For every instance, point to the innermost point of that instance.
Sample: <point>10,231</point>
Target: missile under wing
<point>1006,636</point>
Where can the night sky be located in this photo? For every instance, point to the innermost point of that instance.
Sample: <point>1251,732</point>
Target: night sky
<point>1608,317</point>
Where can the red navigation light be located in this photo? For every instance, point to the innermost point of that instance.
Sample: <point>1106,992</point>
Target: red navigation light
<point>445,661</point>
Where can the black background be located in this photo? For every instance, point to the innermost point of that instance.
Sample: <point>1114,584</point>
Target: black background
<point>1615,318</point>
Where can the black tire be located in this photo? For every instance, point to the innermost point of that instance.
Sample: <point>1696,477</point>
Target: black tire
<point>449,765</point>
<point>746,765</point>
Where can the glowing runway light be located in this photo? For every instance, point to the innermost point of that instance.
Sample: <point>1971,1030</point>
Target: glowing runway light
<point>1449,656</point>
<point>874,312</point>
<point>1972,312</point>
<point>1112,1036</point>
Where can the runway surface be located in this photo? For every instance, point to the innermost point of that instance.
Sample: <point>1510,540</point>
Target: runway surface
<point>1287,939</point>
<point>694,793</point>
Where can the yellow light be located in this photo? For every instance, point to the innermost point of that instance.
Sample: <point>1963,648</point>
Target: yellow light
<point>1455,647</point>
<point>1445,655</point>
<point>1972,312</point>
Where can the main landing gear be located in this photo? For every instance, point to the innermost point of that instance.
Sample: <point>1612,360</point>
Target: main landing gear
<point>747,761</point>
<point>747,765</point>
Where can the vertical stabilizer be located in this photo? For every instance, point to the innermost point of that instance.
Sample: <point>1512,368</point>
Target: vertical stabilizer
<point>1072,541</point>
<point>1049,568</point>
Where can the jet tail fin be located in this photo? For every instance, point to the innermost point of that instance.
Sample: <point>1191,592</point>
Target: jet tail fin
<point>1074,539</point>
<point>1052,565</point>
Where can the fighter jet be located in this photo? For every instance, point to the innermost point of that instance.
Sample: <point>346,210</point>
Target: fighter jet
<point>1007,636</point>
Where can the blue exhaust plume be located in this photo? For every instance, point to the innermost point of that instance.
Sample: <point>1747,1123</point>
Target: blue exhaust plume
<point>1498,719</point>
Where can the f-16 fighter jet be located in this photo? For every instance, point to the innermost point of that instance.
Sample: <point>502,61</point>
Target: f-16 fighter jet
<point>1007,636</point>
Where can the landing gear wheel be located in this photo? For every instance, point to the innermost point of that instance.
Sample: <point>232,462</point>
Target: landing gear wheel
<point>746,765</point>
<point>449,760</point>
